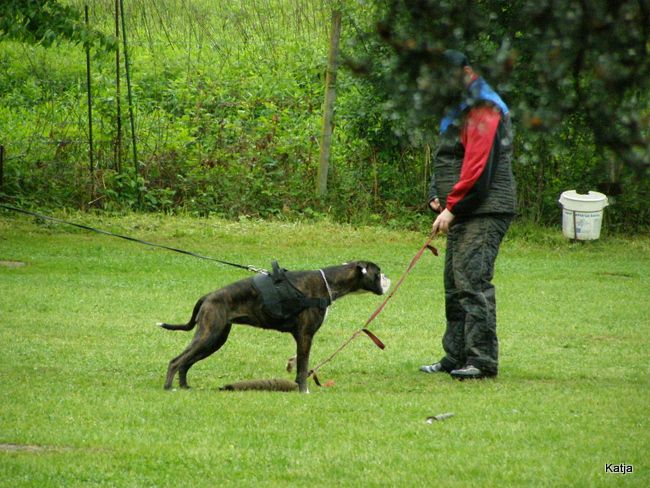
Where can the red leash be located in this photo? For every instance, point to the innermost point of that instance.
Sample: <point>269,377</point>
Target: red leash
<point>364,329</point>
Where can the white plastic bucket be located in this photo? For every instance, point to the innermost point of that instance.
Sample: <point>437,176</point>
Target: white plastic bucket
<point>582,215</point>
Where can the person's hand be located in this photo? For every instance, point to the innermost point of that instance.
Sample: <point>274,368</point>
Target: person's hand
<point>442,222</point>
<point>435,205</point>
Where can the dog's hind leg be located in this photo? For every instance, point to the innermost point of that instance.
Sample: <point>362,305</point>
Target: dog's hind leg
<point>172,369</point>
<point>212,345</point>
<point>212,333</point>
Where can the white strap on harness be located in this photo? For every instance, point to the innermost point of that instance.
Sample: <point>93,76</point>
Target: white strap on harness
<point>327,285</point>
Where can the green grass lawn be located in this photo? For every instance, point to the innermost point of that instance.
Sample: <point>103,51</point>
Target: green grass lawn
<point>82,364</point>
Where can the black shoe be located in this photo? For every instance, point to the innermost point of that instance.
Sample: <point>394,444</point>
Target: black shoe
<point>470,372</point>
<point>433,368</point>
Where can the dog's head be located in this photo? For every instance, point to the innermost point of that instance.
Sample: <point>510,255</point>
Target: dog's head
<point>371,278</point>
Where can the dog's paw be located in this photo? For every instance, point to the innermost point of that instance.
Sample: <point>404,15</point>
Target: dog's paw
<point>160,324</point>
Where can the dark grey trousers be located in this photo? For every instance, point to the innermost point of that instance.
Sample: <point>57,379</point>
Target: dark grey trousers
<point>470,304</point>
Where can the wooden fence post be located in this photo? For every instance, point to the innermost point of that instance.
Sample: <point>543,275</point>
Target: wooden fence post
<point>328,108</point>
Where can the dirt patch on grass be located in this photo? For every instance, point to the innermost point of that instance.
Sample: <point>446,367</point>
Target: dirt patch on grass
<point>29,448</point>
<point>619,275</point>
<point>12,264</point>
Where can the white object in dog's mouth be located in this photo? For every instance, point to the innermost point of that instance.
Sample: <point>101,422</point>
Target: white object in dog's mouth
<point>385,284</point>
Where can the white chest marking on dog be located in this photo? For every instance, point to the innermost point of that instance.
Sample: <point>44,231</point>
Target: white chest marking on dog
<point>385,283</point>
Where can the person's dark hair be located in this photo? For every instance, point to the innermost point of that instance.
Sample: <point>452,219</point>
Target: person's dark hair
<point>456,58</point>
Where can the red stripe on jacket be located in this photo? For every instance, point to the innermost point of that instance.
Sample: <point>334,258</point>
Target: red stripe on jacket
<point>477,136</point>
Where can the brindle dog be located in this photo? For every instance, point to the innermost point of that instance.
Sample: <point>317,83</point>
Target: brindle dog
<point>241,303</point>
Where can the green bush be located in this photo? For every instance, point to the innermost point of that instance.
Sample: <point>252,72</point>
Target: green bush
<point>228,106</point>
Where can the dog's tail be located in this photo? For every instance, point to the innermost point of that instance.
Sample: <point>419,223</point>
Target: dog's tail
<point>190,325</point>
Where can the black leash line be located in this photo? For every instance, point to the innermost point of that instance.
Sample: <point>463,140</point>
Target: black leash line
<point>132,239</point>
<point>312,372</point>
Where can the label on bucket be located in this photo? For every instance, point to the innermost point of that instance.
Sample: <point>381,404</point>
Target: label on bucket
<point>587,224</point>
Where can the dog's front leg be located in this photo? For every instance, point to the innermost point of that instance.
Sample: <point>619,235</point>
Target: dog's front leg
<point>303,346</point>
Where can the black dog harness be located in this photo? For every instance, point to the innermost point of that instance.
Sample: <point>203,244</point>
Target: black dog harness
<point>281,299</point>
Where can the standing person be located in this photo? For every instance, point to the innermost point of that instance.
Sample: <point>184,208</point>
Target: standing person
<point>473,190</point>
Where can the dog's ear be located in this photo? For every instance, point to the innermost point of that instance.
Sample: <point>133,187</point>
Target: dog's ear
<point>362,267</point>
<point>373,267</point>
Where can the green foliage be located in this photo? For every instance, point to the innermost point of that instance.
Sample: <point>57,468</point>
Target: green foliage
<point>228,99</point>
<point>550,59</point>
<point>46,22</point>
